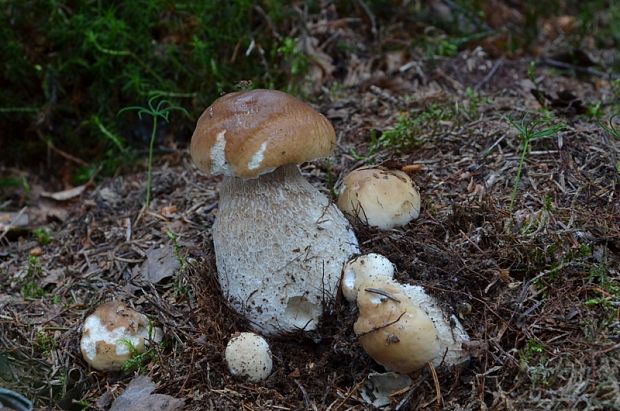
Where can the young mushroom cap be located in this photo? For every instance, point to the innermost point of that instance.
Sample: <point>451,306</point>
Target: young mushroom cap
<point>110,331</point>
<point>392,329</point>
<point>364,268</point>
<point>248,356</point>
<point>249,133</point>
<point>379,197</point>
<point>279,243</point>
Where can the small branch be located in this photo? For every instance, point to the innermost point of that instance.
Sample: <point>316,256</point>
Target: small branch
<point>587,70</point>
<point>499,63</point>
<point>383,293</point>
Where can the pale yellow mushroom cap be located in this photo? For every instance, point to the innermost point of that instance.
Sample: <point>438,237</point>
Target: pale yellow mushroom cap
<point>392,329</point>
<point>379,197</point>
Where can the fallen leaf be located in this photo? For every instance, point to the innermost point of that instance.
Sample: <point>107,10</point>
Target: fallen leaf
<point>10,219</point>
<point>160,263</point>
<point>138,397</point>
<point>66,194</point>
<point>380,386</point>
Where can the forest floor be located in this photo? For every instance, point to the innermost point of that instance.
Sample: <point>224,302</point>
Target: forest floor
<point>530,264</point>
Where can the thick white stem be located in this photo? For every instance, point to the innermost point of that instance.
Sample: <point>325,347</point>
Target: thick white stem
<point>280,246</point>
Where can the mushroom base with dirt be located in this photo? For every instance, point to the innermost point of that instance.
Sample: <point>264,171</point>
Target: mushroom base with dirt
<point>280,246</point>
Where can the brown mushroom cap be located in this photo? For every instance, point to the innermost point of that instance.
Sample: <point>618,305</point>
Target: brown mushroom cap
<point>249,133</point>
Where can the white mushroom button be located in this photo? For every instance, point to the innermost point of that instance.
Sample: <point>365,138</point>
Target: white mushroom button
<point>379,197</point>
<point>364,268</point>
<point>248,356</point>
<point>110,331</point>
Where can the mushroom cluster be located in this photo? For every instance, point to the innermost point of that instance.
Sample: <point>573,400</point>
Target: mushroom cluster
<point>280,244</point>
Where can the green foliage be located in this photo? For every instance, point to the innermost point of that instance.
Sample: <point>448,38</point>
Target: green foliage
<point>30,288</point>
<point>610,128</point>
<point>137,360</point>
<point>45,342</point>
<point>613,131</point>
<point>408,131</point>
<point>179,288</point>
<point>68,67</point>
<point>42,235</point>
<point>178,253</point>
<point>533,360</point>
<point>607,288</point>
<point>530,131</point>
<point>157,109</point>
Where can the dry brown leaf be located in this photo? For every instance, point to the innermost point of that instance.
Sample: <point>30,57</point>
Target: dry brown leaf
<point>138,397</point>
<point>65,194</point>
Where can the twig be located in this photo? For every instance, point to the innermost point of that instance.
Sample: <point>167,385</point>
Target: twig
<point>381,292</point>
<point>587,70</point>
<point>62,153</point>
<point>405,401</point>
<point>490,74</point>
<point>309,404</point>
<point>383,326</point>
<point>436,382</point>
<point>371,17</point>
<point>7,228</point>
<point>350,393</point>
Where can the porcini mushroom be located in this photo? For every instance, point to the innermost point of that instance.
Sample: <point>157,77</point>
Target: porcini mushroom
<point>248,356</point>
<point>392,329</point>
<point>379,197</point>
<point>112,332</point>
<point>279,243</point>
<point>375,271</point>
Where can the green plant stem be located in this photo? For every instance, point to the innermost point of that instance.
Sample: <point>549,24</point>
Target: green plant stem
<point>515,187</point>
<point>149,169</point>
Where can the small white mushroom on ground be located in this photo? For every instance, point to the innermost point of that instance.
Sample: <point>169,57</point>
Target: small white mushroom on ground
<point>110,334</point>
<point>248,356</point>
<point>392,329</point>
<point>361,269</point>
<point>379,197</point>
<point>279,243</point>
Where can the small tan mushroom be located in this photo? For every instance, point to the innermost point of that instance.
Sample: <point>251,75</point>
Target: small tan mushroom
<point>392,329</point>
<point>108,333</point>
<point>379,197</point>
